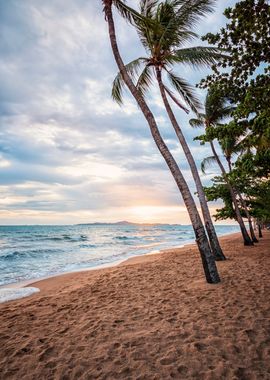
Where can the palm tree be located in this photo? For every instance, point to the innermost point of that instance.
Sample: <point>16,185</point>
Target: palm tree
<point>216,109</point>
<point>169,25</point>
<point>230,146</point>
<point>207,258</point>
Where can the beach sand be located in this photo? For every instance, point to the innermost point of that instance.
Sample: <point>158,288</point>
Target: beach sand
<point>152,317</point>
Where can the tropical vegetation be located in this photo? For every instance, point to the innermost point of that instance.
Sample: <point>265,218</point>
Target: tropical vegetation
<point>216,109</point>
<point>236,113</point>
<point>243,80</point>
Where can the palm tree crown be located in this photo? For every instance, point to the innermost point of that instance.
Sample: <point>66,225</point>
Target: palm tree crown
<point>165,27</point>
<point>216,110</point>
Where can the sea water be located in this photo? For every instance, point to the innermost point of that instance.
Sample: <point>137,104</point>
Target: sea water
<point>32,252</point>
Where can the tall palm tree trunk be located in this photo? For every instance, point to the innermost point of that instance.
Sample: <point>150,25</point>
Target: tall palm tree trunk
<point>260,229</point>
<point>207,258</point>
<point>251,229</point>
<point>244,205</point>
<point>246,237</point>
<point>213,239</point>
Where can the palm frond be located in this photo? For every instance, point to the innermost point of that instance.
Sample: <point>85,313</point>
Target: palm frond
<point>196,123</point>
<point>186,91</point>
<point>132,69</point>
<point>184,36</point>
<point>216,105</point>
<point>225,112</point>
<point>162,31</point>
<point>145,80</point>
<point>230,145</point>
<point>143,20</point>
<point>190,11</point>
<point>166,17</point>
<point>128,13</point>
<point>206,162</point>
<point>117,89</point>
<point>170,33</point>
<point>147,32</point>
<point>147,7</point>
<point>198,56</point>
<point>176,101</point>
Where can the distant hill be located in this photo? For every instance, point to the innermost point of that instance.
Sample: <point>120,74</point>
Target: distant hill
<point>124,223</point>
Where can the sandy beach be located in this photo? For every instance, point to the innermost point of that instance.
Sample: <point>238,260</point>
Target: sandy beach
<point>152,317</point>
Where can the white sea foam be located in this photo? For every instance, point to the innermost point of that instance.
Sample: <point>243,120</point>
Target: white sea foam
<point>9,294</point>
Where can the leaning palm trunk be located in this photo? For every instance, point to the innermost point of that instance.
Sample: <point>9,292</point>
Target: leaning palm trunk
<point>251,229</point>
<point>260,229</point>
<point>246,237</point>
<point>213,239</point>
<point>207,258</point>
<point>244,205</point>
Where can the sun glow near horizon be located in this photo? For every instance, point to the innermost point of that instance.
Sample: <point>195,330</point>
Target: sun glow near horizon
<point>154,214</point>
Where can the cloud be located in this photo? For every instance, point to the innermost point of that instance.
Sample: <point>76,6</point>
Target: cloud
<point>67,151</point>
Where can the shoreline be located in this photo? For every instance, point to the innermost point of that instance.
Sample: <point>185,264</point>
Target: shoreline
<point>128,260</point>
<point>18,291</point>
<point>153,316</point>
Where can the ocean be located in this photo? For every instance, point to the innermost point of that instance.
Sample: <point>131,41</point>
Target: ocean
<point>33,252</point>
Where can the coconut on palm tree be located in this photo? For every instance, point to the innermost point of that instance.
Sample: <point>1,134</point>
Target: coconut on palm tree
<point>216,109</point>
<point>169,26</point>
<point>207,257</point>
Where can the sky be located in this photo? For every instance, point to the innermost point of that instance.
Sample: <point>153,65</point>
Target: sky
<point>68,153</point>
